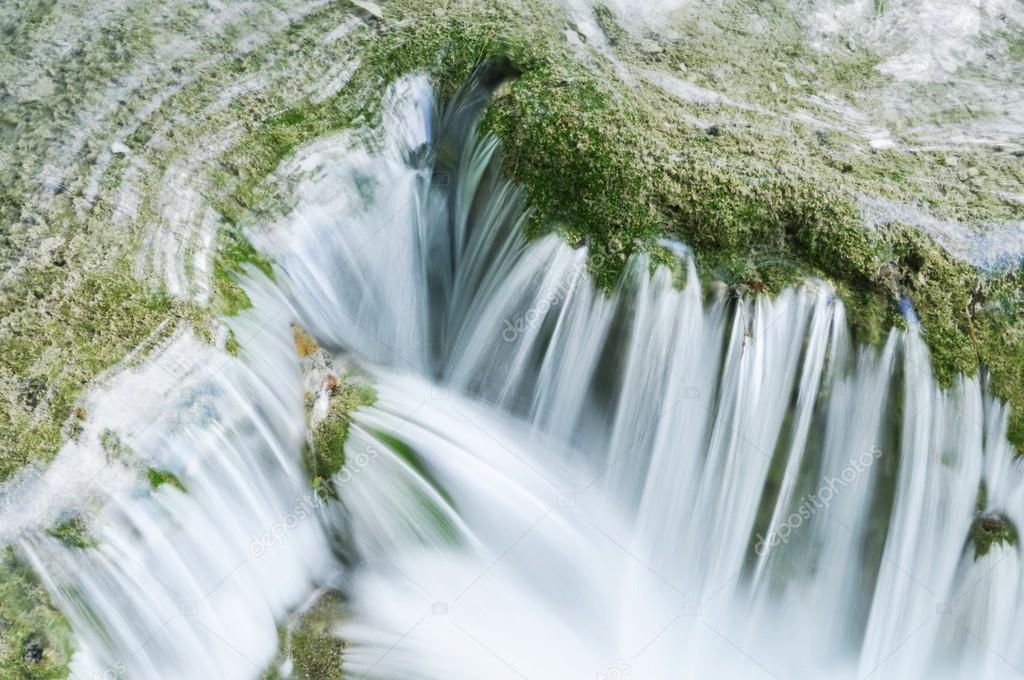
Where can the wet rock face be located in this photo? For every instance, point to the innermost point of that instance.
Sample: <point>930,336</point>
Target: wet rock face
<point>992,529</point>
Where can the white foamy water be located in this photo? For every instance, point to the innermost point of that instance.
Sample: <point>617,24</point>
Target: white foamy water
<point>555,482</point>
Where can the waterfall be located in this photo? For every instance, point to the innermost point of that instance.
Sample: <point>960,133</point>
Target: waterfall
<point>192,584</point>
<point>555,481</point>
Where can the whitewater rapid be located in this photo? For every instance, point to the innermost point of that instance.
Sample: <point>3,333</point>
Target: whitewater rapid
<point>554,482</point>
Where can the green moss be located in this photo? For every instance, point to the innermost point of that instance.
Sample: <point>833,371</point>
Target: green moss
<point>606,20</point>
<point>231,345</point>
<point>73,532</point>
<point>992,529</point>
<point>996,312</point>
<point>158,478</point>
<point>563,134</point>
<point>315,651</point>
<point>57,333</point>
<point>114,447</point>
<point>35,640</point>
<point>234,256</point>
<point>589,164</point>
<point>324,456</point>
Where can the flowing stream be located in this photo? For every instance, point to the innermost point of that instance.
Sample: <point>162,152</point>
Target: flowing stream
<point>554,482</point>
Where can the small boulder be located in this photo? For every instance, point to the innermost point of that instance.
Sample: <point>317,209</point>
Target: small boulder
<point>992,529</point>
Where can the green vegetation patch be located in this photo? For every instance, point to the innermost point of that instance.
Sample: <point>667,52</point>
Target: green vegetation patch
<point>614,167</point>
<point>231,344</point>
<point>989,530</point>
<point>158,478</point>
<point>35,640</point>
<point>324,456</point>
<point>315,651</point>
<point>73,532</point>
<point>234,256</point>
<point>58,333</point>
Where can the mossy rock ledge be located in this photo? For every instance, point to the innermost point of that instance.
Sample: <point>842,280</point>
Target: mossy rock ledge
<point>332,392</point>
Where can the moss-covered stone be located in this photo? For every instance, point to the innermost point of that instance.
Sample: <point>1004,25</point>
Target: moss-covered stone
<point>316,650</point>
<point>73,532</point>
<point>325,454</point>
<point>158,478</point>
<point>996,311</point>
<point>331,397</point>
<point>989,530</point>
<point>35,640</point>
<point>310,646</point>
<point>231,344</point>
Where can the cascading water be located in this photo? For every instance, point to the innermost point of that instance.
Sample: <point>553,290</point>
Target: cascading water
<point>554,482</point>
<point>181,584</point>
